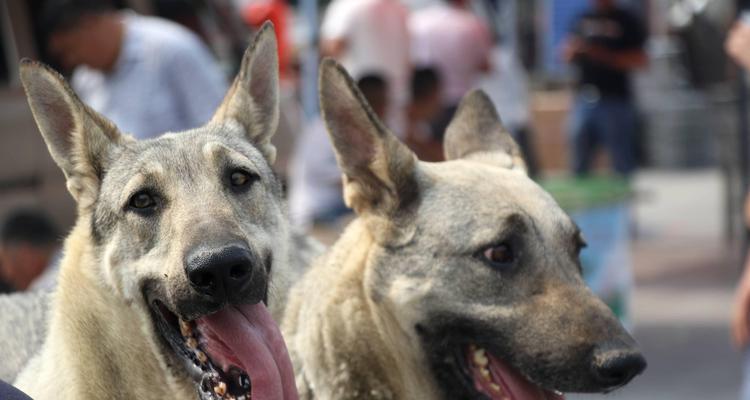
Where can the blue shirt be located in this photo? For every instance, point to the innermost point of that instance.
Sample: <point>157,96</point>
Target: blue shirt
<point>165,79</point>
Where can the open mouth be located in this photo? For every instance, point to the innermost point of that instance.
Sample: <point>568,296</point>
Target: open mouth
<point>494,379</point>
<point>235,354</point>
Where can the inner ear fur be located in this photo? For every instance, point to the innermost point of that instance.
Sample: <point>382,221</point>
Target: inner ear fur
<point>477,132</point>
<point>379,172</point>
<point>80,140</point>
<point>253,99</point>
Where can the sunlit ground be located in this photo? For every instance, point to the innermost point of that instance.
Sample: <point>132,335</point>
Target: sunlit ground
<point>684,283</point>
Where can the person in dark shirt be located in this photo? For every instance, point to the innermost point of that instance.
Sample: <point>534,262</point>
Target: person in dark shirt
<point>29,242</point>
<point>606,46</point>
<point>8,392</point>
<point>5,287</point>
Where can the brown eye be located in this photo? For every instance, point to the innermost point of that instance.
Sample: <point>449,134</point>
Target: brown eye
<point>142,201</point>
<point>239,178</point>
<point>500,255</point>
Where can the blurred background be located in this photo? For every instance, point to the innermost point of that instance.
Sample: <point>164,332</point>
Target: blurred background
<point>630,113</point>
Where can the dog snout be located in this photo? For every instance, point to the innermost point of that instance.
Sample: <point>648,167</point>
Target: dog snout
<point>613,367</point>
<point>225,274</point>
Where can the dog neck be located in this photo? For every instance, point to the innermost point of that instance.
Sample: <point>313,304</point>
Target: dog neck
<point>96,346</point>
<point>352,346</point>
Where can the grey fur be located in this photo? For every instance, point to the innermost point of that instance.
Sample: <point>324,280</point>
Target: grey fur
<point>23,328</point>
<point>101,337</point>
<point>390,311</point>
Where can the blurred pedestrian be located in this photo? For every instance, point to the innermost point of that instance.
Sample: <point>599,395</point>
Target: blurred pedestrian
<point>738,42</point>
<point>738,46</point>
<point>315,190</point>
<point>457,43</point>
<point>606,45</point>
<point>29,245</point>
<point>507,84</point>
<point>741,313</point>
<point>257,12</point>
<point>279,12</point>
<point>372,37</point>
<point>148,75</point>
<point>425,106</point>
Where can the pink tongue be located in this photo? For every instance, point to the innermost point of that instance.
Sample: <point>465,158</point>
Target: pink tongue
<point>248,335</point>
<point>518,387</point>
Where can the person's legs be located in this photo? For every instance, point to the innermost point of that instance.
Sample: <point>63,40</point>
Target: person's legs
<point>522,135</point>
<point>745,389</point>
<point>582,137</point>
<point>441,122</point>
<point>619,129</point>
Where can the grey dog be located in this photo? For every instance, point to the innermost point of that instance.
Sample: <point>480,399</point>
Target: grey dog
<point>181,243</point>
<point>458,280</point>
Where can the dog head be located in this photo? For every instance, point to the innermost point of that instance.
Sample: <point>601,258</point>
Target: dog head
<point>477,264</point>
<point>186,227</point>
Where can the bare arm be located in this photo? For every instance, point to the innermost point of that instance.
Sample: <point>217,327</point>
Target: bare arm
<point>333,47</point>
<point>624,60</point>
<point>738,44</point>
<point>571,48</point>
<point>740,325</point>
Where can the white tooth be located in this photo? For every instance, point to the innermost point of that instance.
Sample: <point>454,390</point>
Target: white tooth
<point>220,389</point>
<point>191,343</point>
<point>557,392</point>
<point>495,387</point>
<point>185,328</point>
<point>201,356</point>
<point>480,358</point>
<point>485,373</point>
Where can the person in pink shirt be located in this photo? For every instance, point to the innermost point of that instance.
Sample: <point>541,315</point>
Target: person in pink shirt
<point>454,41</point>
<point>372,37</point>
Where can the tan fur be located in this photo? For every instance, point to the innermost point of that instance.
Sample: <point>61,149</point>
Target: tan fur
<point>88,324</point>
<point>102,341</point>
<point>354,345</point>
<point>390,310</point>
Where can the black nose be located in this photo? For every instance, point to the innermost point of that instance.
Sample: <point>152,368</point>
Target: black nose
<point>616,367</point>
<point>221,274</point>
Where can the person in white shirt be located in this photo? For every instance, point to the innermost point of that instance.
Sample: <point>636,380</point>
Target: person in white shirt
<point>146,74</point>
<point>372,37</point>
<point>456,42</point>
<point>315,191</point>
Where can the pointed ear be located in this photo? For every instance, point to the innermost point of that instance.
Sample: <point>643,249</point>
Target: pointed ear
<point>80,140</point>
<point>379,171</point>
<point>477,132</point>
<point>253,98</point>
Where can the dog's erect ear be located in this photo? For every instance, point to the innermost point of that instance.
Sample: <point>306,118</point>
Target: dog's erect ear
<point>80,140</point>
<point>379,170</point>
<point>476,132</point>
<point>253,98</point>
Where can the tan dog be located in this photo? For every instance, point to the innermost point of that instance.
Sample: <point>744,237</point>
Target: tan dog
<point>458,280</point>
<point>165,276</point>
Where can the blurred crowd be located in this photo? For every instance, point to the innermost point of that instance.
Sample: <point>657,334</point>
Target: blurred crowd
<point>151,75</point>
<point>413,64</point>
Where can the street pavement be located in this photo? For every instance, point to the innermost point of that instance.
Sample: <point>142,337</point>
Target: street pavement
<point>685,275</point>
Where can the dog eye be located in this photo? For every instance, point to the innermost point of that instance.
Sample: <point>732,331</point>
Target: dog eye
<point>239,178</point>
<point>500,255</point>
<point>142,201</point>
